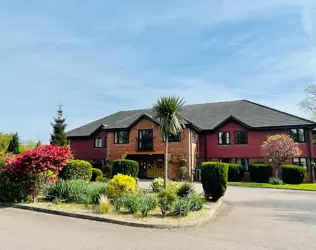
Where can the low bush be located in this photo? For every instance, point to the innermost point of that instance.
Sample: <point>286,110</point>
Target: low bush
<point>102,179</point>
<point>166,199</point>
<point>121,185</point>
<point>11,191</point>
<point>235,172</point>
<point>275,181</point>
<point>196,202</point>
<point>77,170</point>
<point>104,206</point>
<point>292,174</point>
<point>119,202</point>
<point>131,204</point>
<point>184,189</point>
<point>260,173</point>
<point>146,204</point>
<point>74,191</point>
<point>125,167</point>
<point>157,185</point>
<point>96,173</point>
<point>214,177</point>
<point>181,208</point>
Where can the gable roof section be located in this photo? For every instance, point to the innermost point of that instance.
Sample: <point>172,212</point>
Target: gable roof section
<point>206,116</point>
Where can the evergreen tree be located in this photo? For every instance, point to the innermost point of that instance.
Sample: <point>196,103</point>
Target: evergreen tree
<point>38,144</point>
<point>59,137</point>
<point>14,146</point>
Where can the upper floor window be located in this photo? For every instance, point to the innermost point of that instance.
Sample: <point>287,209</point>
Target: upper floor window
<point>298,135</point>
<point>241,137</point>
<point>223,138</point>
<point>121,137</point>
<point>145,139</point>
<point>314,138</point>
<point>174,138</point>
<point>300,162</point>
<point>98,142</point>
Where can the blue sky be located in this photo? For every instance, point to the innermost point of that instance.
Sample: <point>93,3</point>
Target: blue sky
<point>99,57</point>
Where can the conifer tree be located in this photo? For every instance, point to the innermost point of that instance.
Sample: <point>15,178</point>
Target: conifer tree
<point>38,144</point>
<point>59,137</point>
<point>14,146</point>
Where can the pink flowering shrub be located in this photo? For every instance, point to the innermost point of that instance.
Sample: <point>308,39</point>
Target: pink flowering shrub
<point>36,167</point>
<point>279,148</point>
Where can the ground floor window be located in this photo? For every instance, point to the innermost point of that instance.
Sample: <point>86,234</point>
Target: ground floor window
<point>244,162</point>
<point>226,160</point>
<point>300,162</point>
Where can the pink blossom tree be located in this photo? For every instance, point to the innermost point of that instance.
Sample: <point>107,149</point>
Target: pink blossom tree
<point>279,148</point>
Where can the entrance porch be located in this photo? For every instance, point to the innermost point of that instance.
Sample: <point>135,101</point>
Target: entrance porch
<point>150,166</point>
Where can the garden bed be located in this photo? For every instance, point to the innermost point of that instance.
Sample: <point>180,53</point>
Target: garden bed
<point>153,220</point>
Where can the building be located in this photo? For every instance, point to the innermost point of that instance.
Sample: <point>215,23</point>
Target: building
<point>225,131</point>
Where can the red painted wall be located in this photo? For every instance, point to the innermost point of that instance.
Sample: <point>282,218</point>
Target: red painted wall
<point>250,150</point>
<point>83,148</point>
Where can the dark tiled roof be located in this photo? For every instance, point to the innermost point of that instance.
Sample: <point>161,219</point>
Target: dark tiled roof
<point>204,116</point>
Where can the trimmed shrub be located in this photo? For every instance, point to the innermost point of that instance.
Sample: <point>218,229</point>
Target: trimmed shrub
<point>196,201</point>
<point>96,173</point>
<point>166,200</point>
<point>260,173</point>
<point>292,174</point>
<point>214,177</point>
<point>125,167</point>
<point>11,191</point>
<point>121,185</point>
<point>74,191</point>
<point>184,189</point>
<point>235,172</point>
<point>102,179</point>
<point>181,208</point>
<point>275,181</point>
<point>104,206</point>
<point>77,170</point>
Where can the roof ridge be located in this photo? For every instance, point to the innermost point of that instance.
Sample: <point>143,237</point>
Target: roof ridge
<point>279,111</point>
<point>126,118</point>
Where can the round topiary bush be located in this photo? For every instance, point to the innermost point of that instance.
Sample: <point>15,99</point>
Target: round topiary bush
<point>96,173</point>
<point>292,174</point>
<point>235,172</point>
<point>125,167</point>
<point>214,176</point>
<point>121,185</point>
<point>260,173</point>
<point>77,170</point>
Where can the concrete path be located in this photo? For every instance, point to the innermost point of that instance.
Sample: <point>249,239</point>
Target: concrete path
<point>251,218</point>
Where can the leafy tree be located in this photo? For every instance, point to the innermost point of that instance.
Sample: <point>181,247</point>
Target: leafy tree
<point>29,144</point>
<point>39,144</point>
<point>5,140</point>
<point>14,146</point>
<point>59,137</point>
<point>279,148</point>
<point>168,113</point>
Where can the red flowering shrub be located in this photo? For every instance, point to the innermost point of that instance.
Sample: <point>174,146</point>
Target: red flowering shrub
<point>37,166</point>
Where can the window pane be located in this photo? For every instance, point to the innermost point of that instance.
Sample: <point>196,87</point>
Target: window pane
<point>115,137</point>
<point>296,161</point>
<point>293,134</point>
<point>227,138</point>
<point>314,138</point>
<point>241,137</point>
<point>301,135</point>
<point>220,138</point>
<point>303,162</point>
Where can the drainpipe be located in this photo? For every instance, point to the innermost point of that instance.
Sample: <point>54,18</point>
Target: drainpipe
<point>190,150</point>
<point>309,155</point>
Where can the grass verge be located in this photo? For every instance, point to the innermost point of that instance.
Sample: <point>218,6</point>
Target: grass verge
<point>304,186</point>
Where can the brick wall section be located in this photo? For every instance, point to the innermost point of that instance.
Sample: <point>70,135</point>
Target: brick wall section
<point>176,150</point>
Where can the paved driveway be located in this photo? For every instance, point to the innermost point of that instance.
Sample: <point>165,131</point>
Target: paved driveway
<point>250,219</point>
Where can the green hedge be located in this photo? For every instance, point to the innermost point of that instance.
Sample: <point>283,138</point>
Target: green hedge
<point>11,191</point>
<point>293,174</point>
<point>126,167</point>
<point>77,170</point>
<point>96,173</point>
<point>260,173</point>
<point>214,176</point>
<point>235,172</point>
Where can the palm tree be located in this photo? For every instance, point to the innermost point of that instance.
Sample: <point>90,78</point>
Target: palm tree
<point>168,112</point>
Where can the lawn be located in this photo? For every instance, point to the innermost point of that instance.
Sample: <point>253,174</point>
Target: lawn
<point>305,186</point>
